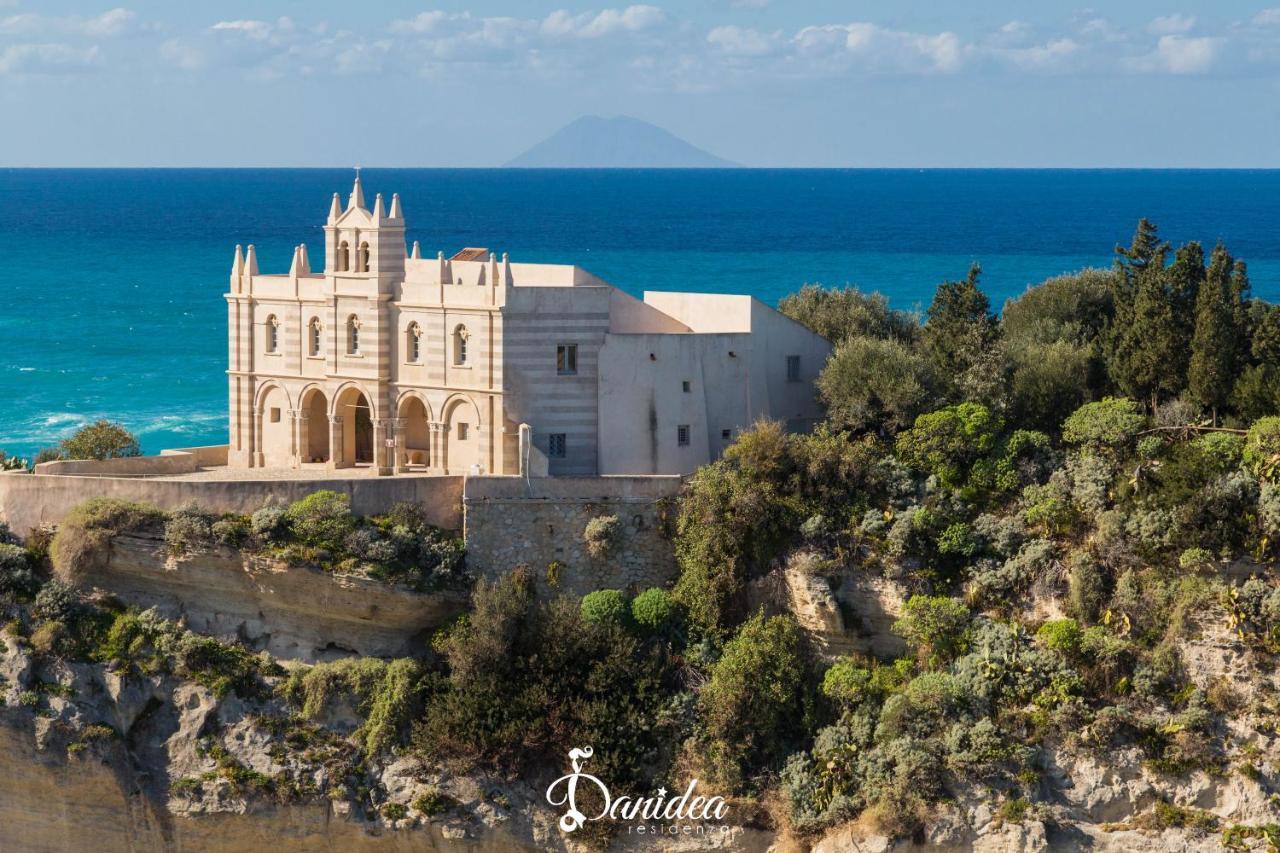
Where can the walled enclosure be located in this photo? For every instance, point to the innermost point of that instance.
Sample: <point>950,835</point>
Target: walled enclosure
<point>511,521</point>
<point>30,500</point>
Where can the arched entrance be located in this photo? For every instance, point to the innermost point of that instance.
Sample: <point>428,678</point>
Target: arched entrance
<point>357,426</point>
<point>462,437</point>
<point>416,431</point>
<point>274,439</point>
<point>316,446</point>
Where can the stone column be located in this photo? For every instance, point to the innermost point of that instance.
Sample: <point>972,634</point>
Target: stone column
<point>381,462</point>
<point>442,448</point>
<point>302,438</point>
<point>401,455</point>
<point>255,443</point>
<point>335,443</point>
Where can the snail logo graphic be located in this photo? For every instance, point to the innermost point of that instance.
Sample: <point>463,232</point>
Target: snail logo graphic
<point>689,806</point>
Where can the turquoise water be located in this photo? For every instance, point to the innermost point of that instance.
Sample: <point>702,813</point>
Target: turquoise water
<point>113,279</point>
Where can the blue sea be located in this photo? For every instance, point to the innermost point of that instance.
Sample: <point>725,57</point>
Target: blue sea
<point>113,279</point>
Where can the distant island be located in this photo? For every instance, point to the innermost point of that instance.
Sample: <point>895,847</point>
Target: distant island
<point>621,142</point>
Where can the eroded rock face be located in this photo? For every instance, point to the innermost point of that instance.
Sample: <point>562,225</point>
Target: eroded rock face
<point>292,612</point>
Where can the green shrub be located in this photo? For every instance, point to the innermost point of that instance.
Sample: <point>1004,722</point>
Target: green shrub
<point>17,579</point>
<point>923,709</point>
<point>431,802</point>
<point>752,704</point>
<point>322,519</point>
<point>871,384</point>
<point>1262,448</point>
<point>56,602</point>
<point>394,811</point>
<point>934,626</point>
<point>100,440</point>
<point>654,611</point>
<point>947,443</point>
<point>527,683</point>
<point>1108,425</point>
<point>601,535</point>
<point>187,529</point>
<point>268,523</point>
<point>1063,636</point>
<point>231,531</point>
<point>81,543</point>
<point>387,696</point>
<point>605,606</point>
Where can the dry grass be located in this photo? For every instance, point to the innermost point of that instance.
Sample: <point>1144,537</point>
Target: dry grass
<point>83,541</point>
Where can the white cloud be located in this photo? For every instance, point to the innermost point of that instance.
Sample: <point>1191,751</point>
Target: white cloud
<point>1267,18</point>
<point>605,22</point>
<point>423,22</point>
<point>1179,55</point>
<point>46,58</point>
<point>883,48</point>
<point>739,41</point>
<point>182,55</point>
<point>1048,55</point>
<point>110,23</point>
<point>1171,24</point>
<point>256,30</point>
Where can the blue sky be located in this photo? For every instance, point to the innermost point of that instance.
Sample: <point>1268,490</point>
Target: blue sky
<point>762,82</point>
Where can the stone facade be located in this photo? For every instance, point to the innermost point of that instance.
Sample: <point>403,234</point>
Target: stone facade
<point>541,524</point>
<point>477,365</point>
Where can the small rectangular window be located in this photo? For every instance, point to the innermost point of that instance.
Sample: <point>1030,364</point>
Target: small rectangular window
<point>463,431</point>
<point>682,435</point>
<point>567,359</point>
<point>793,368</point>
<point>275,415</point>
<point>726,434</point>
<point>686,386</point>
<point>555,445</point>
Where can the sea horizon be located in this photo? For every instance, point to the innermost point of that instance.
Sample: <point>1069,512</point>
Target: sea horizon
<point>132,261</point>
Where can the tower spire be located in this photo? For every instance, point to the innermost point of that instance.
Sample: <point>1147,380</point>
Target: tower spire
<point>237,265</point>
<point>335,209</point>
<point>251,261</point>
<point>379,212</point>
<point>295,266</point>
<point>357,193</point>
<point>396,212</point>
<point>417,251</point>
<point>305,267</point>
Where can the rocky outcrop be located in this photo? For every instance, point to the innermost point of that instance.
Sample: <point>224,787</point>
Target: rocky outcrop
<point>292,612</point>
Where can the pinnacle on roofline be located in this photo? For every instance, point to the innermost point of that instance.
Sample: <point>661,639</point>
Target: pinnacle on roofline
<point>357,193</point>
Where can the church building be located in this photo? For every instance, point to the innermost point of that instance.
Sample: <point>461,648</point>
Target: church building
<point>474,364</point>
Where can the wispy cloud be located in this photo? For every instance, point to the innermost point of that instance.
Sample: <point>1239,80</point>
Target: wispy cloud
<point>46,59</point>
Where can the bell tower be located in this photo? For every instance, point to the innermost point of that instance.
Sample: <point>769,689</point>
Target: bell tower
<point>365,243</point>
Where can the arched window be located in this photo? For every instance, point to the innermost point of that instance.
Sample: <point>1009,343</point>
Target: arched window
<point>353,335</point>
<point>344,256</point>
<point>273,334</point>
<point>460,335</point>
<point>363,258</point>
<point>413,343</point>
<point>313,335</point>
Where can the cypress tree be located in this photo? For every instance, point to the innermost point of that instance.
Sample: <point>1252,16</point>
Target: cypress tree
<point>960,325</point>
<point>1213,348</point>
<point>1143,331</point>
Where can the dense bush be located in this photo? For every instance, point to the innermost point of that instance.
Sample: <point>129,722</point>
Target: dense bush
<point>605,606</point>
<point>753,704</point>
<point>100,440</point>
<point>81,543</point>
<point>654,611</point>
<point>322,519</point>
<point>387,696</point>
<point>934,626</point>
<point>526,682</point>
<point>602,535</point>
<point>18,581</point>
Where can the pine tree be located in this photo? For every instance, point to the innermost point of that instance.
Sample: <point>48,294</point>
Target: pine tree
<point>1213,348</point>
<point>1185,276</point>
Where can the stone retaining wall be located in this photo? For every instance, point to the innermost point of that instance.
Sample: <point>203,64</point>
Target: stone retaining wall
<point>30,500</point>
<point>539,522</point>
